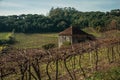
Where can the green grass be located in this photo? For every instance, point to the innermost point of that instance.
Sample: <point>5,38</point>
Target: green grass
<point>92,31</point>
<point>32,40</point>
<point>111,74</point>
<point>35,40</point>
<point>3,35</point>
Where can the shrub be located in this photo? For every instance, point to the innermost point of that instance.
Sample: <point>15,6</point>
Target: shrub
<point>3,41</point>
<point>10,39</point>
<point>48,46</point>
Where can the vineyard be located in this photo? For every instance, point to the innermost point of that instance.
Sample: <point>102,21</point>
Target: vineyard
<point>59,40</point>
<point>75,62</point>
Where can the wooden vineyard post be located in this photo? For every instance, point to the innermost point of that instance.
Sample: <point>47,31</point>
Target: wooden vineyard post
<point>96,62</point>
<point>90,58</point>
<point>108,55</point>
<point>57,69</point>
<point>73,66</point>
<point>1,76</point>
<point>118,49</point>
<point>83,72</point>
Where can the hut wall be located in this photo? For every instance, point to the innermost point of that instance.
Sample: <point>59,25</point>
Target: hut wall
<point>63,39</point>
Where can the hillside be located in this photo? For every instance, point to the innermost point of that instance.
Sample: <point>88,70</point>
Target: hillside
<point>91,60</point>
<point>96,60</point>
<point>35,40</point>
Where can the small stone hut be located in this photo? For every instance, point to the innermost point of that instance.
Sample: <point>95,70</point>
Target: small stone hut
<point>73,35</point>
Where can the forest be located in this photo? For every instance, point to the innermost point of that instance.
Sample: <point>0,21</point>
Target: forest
<point>59,19</point>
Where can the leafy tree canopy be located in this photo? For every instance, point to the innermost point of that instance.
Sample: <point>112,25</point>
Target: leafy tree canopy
<point>59,19</point>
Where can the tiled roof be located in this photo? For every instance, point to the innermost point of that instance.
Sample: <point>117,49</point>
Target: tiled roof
<point>73,31</point>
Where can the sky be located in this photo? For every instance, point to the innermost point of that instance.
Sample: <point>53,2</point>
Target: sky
<point>17,7</point>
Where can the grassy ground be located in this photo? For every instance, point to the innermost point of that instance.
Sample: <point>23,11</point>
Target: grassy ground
<point>37,40</point>
<point>93,32</point>
<point>111,74</point>
<point>32,40</point>
<point>3,35</point>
